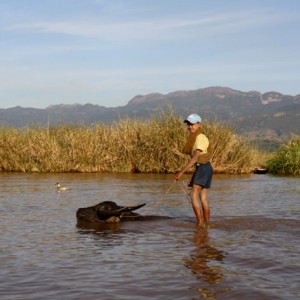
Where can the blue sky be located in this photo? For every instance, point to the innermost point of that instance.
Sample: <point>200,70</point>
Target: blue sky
<point>106,52</point>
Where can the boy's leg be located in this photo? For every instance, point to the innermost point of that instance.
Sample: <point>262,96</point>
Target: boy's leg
<point>196,203</point>
<point>205,204</point>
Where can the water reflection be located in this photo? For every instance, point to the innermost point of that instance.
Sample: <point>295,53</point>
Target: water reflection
<point>202,264</point>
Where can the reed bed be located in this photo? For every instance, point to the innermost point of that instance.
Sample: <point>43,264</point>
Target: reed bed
<point>287,160</point>
<point>125,146</point>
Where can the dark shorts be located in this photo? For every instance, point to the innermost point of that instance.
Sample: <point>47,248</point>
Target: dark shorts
<point>203,175</point>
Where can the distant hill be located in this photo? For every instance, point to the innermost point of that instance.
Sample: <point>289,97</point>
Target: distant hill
<point>268,117</point>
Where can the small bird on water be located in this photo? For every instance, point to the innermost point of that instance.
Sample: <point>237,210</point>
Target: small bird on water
<point>61,188</point>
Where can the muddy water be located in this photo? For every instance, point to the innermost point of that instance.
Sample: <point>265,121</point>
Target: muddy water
<point>251,250</point>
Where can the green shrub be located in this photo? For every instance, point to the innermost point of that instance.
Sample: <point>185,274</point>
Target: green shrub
<point>287,159</point>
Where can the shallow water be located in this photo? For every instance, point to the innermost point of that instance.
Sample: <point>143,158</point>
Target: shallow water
<point>251,250</point>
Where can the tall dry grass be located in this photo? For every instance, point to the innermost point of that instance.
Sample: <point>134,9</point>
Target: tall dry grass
<point>125,146</point>
<point>232,154</point>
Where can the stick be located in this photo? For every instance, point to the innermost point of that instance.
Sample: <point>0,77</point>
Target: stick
<point>171,186</point>
<point>181,187</point>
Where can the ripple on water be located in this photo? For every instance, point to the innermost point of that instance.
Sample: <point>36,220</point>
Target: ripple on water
<point>250,251</point>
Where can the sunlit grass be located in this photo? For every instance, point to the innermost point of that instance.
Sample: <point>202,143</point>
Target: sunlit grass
<point>125,146</point>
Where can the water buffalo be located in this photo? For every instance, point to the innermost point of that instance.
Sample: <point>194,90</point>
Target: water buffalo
<point>110,212</point>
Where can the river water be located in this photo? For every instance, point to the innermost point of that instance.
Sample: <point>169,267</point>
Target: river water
<point>251,250</point>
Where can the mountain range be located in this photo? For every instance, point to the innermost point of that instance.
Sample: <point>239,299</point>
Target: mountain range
<point>267,118</point>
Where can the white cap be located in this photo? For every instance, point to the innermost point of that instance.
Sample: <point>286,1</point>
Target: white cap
<point>193,119</point>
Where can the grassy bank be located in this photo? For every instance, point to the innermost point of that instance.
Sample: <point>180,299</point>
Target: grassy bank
<point>287,160</point>
<point>125,146</point>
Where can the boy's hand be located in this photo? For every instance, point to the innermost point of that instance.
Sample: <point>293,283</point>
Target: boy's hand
<point>178,175</point>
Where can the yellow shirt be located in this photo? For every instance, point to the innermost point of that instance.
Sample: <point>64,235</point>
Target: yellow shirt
<point>201,144</point>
